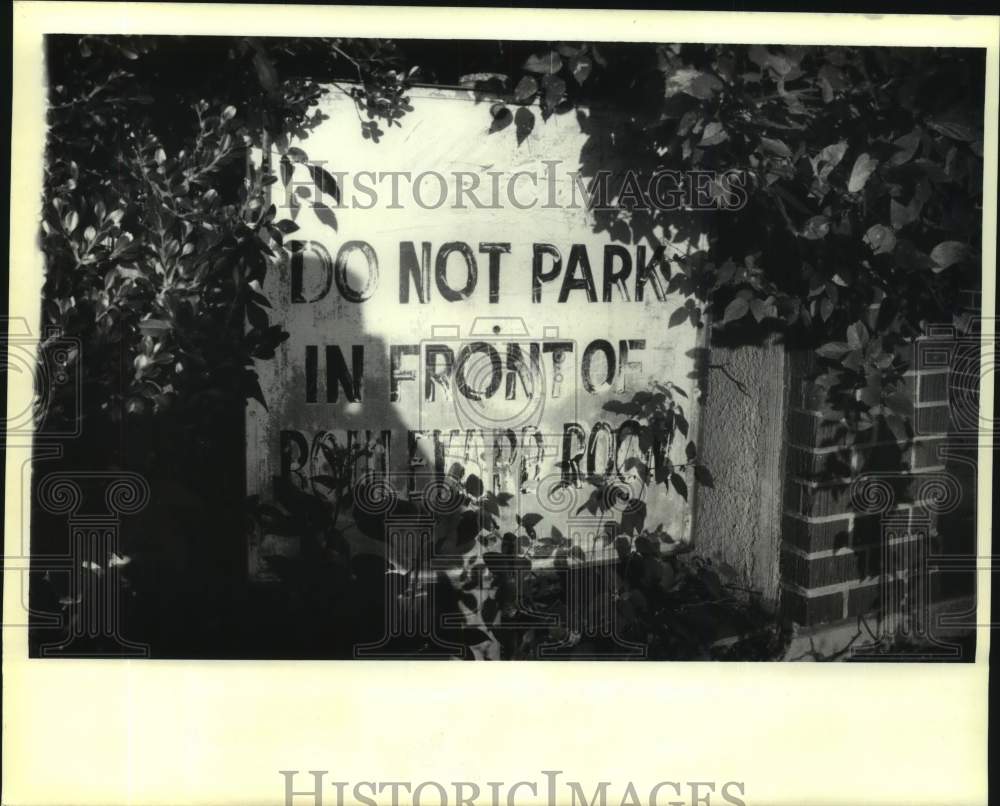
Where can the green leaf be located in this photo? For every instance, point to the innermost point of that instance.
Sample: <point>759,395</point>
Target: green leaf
<point>826,308</point>
<point>677,317</point>
<point>884,361</point>
<point>502,118</point>
<point>857,336</point>
<point>692,82</point>
<point>260,299</point>
<point>525,89</point>
<point>864,167</point>
<point>555,90</point>
<point>946,254</point>
<point>833,349</point>
<point>679,484</point>
<point>735,310</point>
<point>853,360</point>
<point>547,63</point>
<point>252,388</point>
<point>71,220</point>
<point>828,159</point>
<point>816,227</point>
<point>325,215</point>
<point>955,129</point>
<point>759,309</point>
<point>325,182</point>
<point>474,485</point>
<point>907,145</point>
<point>297,155</point>
<point>776,148</point>
<point>713,134</point>
<point>257,317</point>
<point>870,396</point>
<point>524,122</point>
<point>703,476</point>
<point>286,226</point>
<point>880,239</point>
<point>580,67</point>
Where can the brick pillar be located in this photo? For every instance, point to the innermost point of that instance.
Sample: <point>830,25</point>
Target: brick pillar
<point>859,521</point>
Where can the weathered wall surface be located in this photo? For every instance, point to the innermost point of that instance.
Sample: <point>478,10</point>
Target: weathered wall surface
<point>738,520</point>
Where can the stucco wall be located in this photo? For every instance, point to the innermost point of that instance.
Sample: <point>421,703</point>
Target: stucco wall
<point>738,520</point>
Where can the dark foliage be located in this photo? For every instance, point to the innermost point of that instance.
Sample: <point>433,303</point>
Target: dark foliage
<point>862,172</point>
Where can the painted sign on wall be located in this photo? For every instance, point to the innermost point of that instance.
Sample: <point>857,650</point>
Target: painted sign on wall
<point>454,319</point>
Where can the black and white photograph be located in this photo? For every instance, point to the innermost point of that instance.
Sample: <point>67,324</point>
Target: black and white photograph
<point>503,348</point>
<point>507,350</point>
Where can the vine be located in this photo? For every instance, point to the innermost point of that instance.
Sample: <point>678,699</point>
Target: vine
<point>862,174</point>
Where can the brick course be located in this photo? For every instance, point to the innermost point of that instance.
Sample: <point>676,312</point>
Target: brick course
<point>833,557</point>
